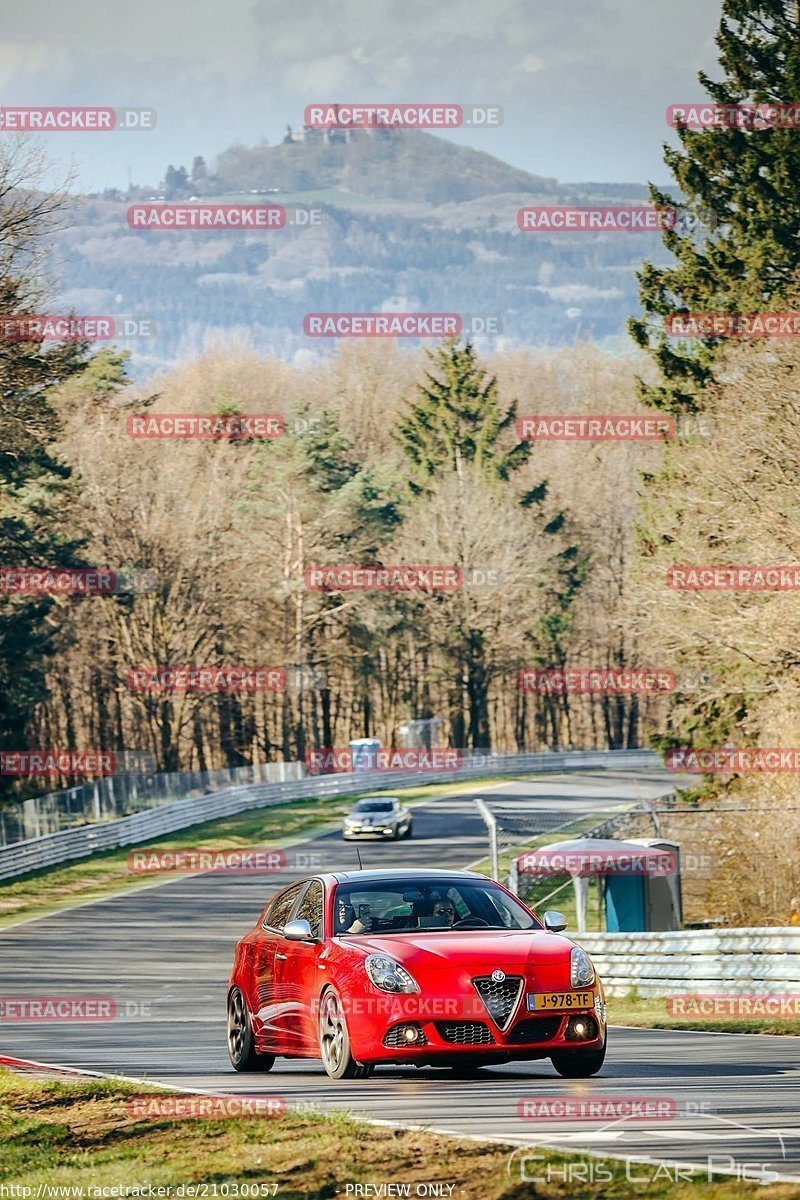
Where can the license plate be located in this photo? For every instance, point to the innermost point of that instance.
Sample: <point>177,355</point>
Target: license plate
<point>559,1001</point>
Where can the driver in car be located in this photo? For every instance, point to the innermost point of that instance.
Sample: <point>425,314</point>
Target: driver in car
<point>348,922</point>
<point>445,911</point>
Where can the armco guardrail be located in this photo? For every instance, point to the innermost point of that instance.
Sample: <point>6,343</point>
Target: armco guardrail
<point>698,961</point>
<point>68,845</point>
<point>127,792</point>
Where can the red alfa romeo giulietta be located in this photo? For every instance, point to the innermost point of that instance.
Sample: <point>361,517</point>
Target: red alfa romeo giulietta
<point>431,968</point>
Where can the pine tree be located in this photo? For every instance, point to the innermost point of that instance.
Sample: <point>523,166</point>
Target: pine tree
<point>32,490</point>
<point>749,179</point>
<point>457,419</point>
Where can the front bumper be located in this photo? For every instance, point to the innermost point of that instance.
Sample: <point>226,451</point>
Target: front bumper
<point>452,1028</point>
<point>356,832</point>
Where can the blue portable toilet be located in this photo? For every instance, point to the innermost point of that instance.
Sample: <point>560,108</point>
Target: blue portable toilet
<point>640,879</point>
<point>624,902</point>
<point>364,754</point>
<point>649,901</point>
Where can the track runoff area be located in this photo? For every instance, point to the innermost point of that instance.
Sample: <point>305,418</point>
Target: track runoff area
<point>666,1101</point>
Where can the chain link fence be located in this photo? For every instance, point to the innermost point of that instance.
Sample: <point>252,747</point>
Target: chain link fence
<point>518,825</point>
<point>122,795</point>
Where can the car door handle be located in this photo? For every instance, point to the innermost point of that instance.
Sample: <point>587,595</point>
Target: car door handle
<point>277,955</point>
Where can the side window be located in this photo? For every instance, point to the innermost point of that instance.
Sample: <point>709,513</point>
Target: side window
<point>278,911</point>
<point>311,908</point>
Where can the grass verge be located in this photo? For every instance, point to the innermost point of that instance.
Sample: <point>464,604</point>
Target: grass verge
<point>80,1136</point>
<point>651,1013</point>
<point>106,874</point>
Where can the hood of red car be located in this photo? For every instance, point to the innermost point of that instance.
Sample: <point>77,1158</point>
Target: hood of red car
<point>472,950</point>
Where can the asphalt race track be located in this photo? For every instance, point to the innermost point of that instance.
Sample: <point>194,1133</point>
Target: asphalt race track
<point>164,954</point>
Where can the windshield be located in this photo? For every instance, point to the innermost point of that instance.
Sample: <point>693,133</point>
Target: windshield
<point>374,806</point>
<point>410,906</point>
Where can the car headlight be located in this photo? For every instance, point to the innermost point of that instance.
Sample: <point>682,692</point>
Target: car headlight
<point>581,971</point>
<point>388,975</point>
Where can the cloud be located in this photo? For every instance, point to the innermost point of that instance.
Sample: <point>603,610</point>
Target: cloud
<point>530,64</point>
<point>219,73</point>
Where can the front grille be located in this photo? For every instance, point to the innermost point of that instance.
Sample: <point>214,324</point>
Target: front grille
<point>534,1029</point>
<point>499,997</point>
<point>466,1033</point>
<point>394,1036</point>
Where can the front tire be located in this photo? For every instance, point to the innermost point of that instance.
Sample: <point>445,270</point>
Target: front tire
<point>241,1042</point>
<point>579,1064</point>
<point>334,1041</point>
<point>410,828</point>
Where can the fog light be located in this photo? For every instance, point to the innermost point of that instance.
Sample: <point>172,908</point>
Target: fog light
<point>411,1033</point>
<point>581,1029</point>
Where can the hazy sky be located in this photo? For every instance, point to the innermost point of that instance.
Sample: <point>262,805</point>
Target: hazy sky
<point>583,83</point>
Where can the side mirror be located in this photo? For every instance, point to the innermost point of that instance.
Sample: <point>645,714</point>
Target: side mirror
<point>298,931</point>
<point>554,921</point>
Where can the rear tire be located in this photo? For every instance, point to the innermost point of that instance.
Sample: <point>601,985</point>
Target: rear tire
<point>579,1064</point>
<point>241,1042</point>
<point>334,1041</point>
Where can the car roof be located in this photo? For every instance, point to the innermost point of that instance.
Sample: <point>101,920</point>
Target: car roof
<point>403,873</point>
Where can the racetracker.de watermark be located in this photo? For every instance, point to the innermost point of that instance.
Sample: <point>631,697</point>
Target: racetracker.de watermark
<point>730,760</point>
<point>57,581</point>
<point>71,328</point>
<point>732,325</point>
<point>785,1004</point>
<point>400,324</point>
<point>205,425</point>
<point>604,427</point>
<point>203,860</point>
<point>72,763</point>
<point>398,1008</point>
<point>699,578</point>
<point>734,116</point>
<point>57,1008</point>
<point>347,578</point>
<point>104,119</point>
<point>330,760</point>
<point>206,216</point>
<point>647,861</point>
<point>599,681</point>
<point>597,1108</point>
<point>603,218</point>
<point>391,115</point>
<point>81,581</point>
<point>207,679</point>
<point>206,1108</point>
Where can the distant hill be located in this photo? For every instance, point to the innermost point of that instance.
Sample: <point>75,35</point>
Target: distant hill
<point>411,222</point>
<point>399,164</point>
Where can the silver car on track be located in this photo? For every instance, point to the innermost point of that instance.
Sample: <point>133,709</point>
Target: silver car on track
<point>378,817</point>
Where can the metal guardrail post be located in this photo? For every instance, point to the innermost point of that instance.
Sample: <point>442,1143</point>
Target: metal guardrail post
<point>491,825</point>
